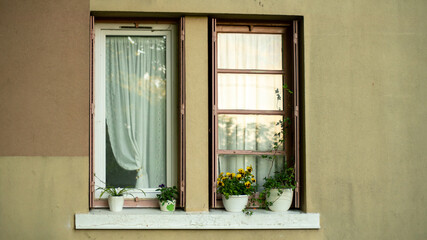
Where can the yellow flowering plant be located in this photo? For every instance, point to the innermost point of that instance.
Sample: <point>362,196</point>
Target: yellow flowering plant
<point>240,183</point>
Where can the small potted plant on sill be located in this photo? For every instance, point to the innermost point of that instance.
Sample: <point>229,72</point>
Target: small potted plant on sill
<point>236,188</point>
<point>116,196</point>
<point>167,198</point>
<point>278,190</point>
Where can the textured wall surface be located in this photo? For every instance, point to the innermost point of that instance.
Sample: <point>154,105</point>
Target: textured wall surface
<point>44,88</point>
<point>197,110</point>
<point>365,95</point>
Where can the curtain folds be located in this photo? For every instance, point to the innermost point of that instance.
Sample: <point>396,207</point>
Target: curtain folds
<point>136,105</point>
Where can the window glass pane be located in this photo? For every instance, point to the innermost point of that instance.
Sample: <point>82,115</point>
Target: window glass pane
<point>250,91</point>
<point>247,132</point>
<point>136,110</point>
<point>261,166</point>
<point>249,51</point>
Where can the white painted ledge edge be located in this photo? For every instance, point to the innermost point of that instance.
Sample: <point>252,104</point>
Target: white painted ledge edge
<point>214,219</point>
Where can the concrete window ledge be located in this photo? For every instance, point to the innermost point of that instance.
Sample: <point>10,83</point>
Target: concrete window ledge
<point>214,219</point>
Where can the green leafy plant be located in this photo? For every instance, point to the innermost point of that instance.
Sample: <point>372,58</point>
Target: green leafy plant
<point>240,183</point>
<point>285,178</point>
<point>282,179</point>
<point>167,193</point>
<point>115,192</point>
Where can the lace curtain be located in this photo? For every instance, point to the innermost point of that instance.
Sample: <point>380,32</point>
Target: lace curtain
<point>136,105</point>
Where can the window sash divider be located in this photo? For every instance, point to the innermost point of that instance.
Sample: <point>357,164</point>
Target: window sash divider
<point>250,152</point>
<point>138,202</point>
<point>251,28</point>
<point>251,71</point>
<point>250,112</point>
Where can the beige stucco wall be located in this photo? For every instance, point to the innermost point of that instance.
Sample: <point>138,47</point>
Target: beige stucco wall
<point>197,114</point>
<point>44,89</point>
<point>365,95</point>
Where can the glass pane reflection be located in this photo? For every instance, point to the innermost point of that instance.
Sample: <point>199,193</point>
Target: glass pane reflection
<point>249,51</point>
<point>247,132</point>
<point>250,91</point>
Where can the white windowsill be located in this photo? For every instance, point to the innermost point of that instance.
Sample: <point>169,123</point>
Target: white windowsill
<point>214,219</point>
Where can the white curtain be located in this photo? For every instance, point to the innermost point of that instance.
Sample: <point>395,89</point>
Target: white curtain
<point>250,51</point>
<point>249,91</point>
<point>136,105</point>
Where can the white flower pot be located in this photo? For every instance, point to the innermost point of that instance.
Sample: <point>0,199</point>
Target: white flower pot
<point>280,202</point>
<point>116,203</point>
<point>167,206</point>
<point>235,203</point>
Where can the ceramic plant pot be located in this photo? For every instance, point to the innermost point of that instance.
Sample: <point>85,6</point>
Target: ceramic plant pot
<point>235,203</point>
<point>116,203</point>
<point>280,202</point>
<point>167,206</point>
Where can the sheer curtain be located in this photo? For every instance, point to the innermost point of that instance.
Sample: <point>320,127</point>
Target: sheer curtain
<point>249,92</point>
<point>136,105</point>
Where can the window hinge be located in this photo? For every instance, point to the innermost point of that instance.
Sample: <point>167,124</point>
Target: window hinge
<point>214,37</point>
<point>92,35</point>
<point>182,186</point>
<point>182,35</point>
<point>92,187</point>
<point>92,108</point>
<point>296,110</point>
<point>182,109</point>
<point>295,38</point>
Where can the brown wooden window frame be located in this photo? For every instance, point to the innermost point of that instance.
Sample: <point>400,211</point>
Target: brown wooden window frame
<point>290,69</point>
<point>180,22</point>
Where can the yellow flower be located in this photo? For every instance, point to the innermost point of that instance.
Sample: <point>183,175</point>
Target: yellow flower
<point>233,175</point>
<point>221,174</point>
<point>219,183</point>
<point>253,179</point>
<point>247,184</point>
<point>228,174</point>
<point>241,171</point>
<point>239,176</point>
<point>249,169</point>
<point>223,178</point>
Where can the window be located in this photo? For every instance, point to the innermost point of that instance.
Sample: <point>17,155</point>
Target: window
<point>255,87</point>
<point>137,125</point>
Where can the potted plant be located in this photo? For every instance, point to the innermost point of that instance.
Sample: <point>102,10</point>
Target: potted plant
<point>278,190</point>
<point>236,188</point>
<point>167,198</point>
<point>116,196</point>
